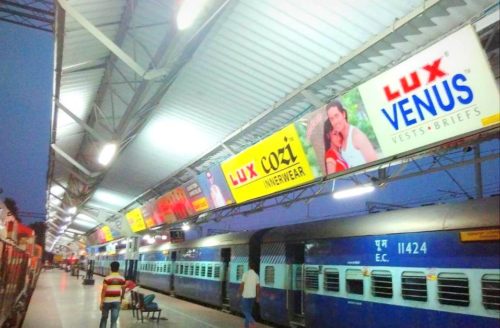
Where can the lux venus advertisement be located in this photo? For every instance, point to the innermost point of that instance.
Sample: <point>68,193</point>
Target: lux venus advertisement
<point>444,91</point>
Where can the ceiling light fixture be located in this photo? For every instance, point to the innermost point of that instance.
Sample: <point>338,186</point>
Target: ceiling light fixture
<point>72,210</point>
<point>188,12</point>
<point>107,153</point>
<point>356,191</point>
<point>185,227</point>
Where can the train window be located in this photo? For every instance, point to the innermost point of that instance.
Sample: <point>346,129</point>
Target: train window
<point>169,268</point>
<point>177,268</point>
<point>269,275</point>
<point>490,285</point>
<point>312,278</point>
<point>203,269</point>
<point>217,271</point>
<point>181,269</point>
<point>239,272</point>
<point>197,270</point>
<point>209,270</point>
<point>414,286</point>
<point>331,280</point>
<point>381,283</point>
<point>354,281</point>
<point>453,289</point>
<point>164,268</point>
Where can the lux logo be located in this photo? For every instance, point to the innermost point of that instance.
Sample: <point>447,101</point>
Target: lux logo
<point>413,82</point>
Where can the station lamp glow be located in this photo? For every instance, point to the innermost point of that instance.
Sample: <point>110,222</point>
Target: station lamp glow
<point>188,12</point>
<point>107,153</point>
<point>352,192</point>
<point>72,210</point>
<point>185,227</point>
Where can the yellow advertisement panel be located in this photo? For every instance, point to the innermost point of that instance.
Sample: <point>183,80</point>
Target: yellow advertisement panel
<point>135,220</point>
<point>107,233</point>
<point>274,164</point>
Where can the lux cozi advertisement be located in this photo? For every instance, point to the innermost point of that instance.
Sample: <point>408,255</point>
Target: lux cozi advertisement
<point>272,165</point>
<point>445,91</point>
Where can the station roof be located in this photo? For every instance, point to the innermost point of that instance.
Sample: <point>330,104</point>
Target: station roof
<point>177,101</point>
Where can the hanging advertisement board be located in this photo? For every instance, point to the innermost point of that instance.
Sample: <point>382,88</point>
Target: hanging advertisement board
<point>147,211</point>
<point>135,220</point>
<point>163,212</point>
<point>274,164</point>
<point>214,187</point>
<point>444,91</point>
<point>196,196</point>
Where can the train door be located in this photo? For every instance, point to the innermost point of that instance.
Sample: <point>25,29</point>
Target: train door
<point>173,259</point>
<point>225,255</point>
<point>294,283</point>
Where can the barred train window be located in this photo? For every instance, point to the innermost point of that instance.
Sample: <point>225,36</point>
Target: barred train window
<point>381,283</point>
<point>203,269</point>
<point>490,285</point>
<point>217,271</point>
<point>331,280</point>
<point>312,280</point>
<point>414,286</point>
<point>453,289</point>
<point>169,267</point>
<point>209,271</point>
<point>191,269</point>
<point>269,275</point>
<point>197,270</point>
<point>354,281</point>
<point>239,272</point>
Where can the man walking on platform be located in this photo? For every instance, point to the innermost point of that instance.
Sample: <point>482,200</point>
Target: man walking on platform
<point>249,291</point>
<point>113,289</point>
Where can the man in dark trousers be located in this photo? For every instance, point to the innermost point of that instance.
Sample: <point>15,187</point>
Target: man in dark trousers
<point>113,290</point>
<point>249,291</point>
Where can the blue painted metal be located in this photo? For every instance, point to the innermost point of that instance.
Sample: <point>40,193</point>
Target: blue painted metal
<point>273,306</point>
<point>325,311</point>
<point>202,290</point>
<point>427,249</point>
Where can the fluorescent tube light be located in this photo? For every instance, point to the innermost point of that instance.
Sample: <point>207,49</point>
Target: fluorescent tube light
<point>107,153</point>
<point>188,12</point>
<point>356,191</point>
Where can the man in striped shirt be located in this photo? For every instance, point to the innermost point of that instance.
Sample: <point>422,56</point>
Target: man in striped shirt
<point>113,289</point>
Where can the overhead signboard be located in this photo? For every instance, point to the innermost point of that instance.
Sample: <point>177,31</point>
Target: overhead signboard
<point>135,220</point>
<point>163,213</point>
<point>147,211</point>
<point>196,196</point>
<point>444,91</point>
<point>106,232</point>
<point>214,187</point>
<point>274,164</point>
<point>441,93</point>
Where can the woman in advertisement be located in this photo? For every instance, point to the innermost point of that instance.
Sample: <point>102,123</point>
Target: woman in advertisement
<point>333,142</point>
<point>356,147</point>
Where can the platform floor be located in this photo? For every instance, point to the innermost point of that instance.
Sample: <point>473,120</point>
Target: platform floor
<point>61,301</point>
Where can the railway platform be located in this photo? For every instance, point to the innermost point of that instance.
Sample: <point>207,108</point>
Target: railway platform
<point>61,301</point>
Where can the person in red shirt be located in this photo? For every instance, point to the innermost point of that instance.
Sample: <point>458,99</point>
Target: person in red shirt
<point>113,290</point>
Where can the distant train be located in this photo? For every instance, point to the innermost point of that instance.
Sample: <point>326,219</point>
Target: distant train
<point>433,266</point>
<point>20,266</point>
